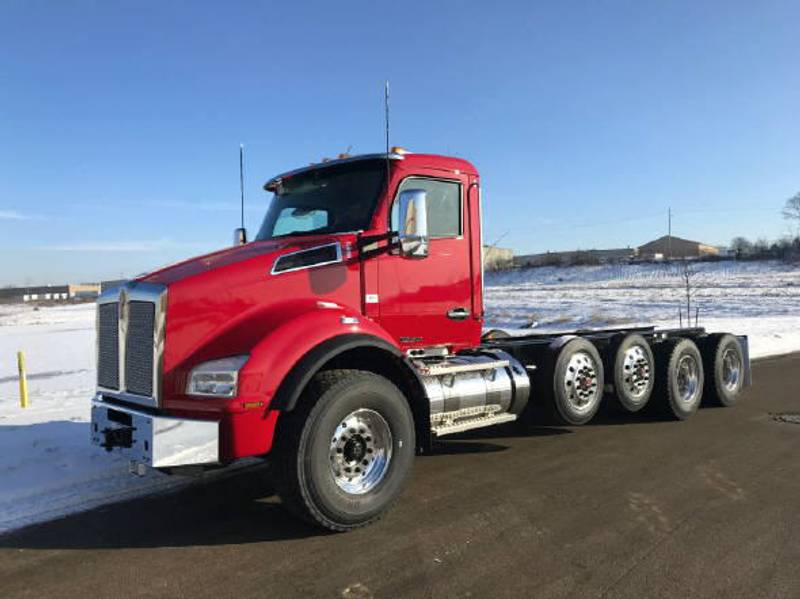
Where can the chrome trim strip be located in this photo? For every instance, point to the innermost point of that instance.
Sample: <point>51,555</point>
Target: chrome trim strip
<point>159,441</point>
<point>269,185</point>
<point>144,292</point>
<point>337,260</point>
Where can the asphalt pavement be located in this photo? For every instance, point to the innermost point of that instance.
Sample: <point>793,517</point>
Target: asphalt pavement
<point>625,507</point>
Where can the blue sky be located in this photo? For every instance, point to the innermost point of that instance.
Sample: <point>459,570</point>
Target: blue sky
<point>120,121</point>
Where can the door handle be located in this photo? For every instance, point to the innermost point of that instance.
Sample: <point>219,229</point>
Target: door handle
<point>458,313</point>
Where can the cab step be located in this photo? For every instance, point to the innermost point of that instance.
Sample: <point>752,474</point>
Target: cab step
<point>458,421</point>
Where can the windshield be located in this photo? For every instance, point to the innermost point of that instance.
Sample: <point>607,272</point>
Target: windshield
<point>336,199</point>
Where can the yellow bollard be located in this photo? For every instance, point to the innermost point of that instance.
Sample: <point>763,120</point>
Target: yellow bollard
<point>23,380</point>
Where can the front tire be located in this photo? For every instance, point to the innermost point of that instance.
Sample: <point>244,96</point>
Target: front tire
<point>344,454</point>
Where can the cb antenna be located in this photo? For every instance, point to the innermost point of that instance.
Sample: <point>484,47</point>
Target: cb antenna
<point>241,178</point>
<point>386,116</point>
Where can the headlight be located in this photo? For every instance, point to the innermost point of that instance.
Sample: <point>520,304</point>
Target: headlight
<point>217,378</point>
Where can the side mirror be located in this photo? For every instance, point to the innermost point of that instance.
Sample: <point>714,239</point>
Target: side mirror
<point>413,233</point>
<point>239,236</point>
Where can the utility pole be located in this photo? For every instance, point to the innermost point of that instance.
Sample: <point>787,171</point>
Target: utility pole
<point>669,233</point>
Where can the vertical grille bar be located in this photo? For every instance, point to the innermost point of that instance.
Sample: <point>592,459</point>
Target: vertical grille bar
<point>108,345</point>
<point>139,348</point>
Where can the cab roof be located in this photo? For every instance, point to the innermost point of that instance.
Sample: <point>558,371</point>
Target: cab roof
<point>409,159</point>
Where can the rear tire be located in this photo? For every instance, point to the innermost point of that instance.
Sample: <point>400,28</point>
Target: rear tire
<point>633,371</point>
<point>723,360</point>
<point>679,378</point>
<point>343,455</point>
<point>493,334</point>
<point>572,383</point>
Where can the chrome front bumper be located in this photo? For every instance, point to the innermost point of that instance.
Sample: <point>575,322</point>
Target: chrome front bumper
<point>156,441</point>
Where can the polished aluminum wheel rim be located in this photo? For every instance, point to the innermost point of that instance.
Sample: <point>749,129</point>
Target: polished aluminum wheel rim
<point>360,451</point>
<point>636,371</point>
<point>580,382</point>
<point>731,369</point>
<point>688,372</point>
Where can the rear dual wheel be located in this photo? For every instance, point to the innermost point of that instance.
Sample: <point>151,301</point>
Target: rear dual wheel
<point>680,375</point>
<point>572,383</point>
<point>723,360</point>
<point>633,371</point>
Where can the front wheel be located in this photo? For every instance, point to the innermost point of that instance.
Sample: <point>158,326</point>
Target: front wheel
<point>343,456</point>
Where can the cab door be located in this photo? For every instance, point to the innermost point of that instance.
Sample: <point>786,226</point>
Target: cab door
<point>427,302</point>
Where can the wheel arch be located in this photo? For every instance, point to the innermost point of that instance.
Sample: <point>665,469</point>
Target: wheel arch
<point>360,352</point>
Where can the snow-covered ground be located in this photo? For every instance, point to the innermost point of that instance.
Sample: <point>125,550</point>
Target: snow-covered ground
<point>48,468</point>
<point>759,299</point>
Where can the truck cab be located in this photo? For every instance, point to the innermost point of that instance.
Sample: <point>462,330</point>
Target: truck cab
<point>343,338</point>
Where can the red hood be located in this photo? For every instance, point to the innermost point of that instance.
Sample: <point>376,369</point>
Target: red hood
<point>228,256</point>
<point>223,303</point>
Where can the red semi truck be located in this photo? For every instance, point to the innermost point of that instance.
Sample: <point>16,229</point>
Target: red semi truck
<point>348,336</point>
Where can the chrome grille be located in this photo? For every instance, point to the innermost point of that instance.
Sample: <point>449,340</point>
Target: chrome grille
<point>131,331</point>
<point>139,348</point>
<point>108,345</point>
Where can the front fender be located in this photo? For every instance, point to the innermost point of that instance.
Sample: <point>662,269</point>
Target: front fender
<point>307,341</point>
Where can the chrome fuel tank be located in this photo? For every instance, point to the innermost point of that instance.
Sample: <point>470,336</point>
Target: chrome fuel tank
<point>489,379</point>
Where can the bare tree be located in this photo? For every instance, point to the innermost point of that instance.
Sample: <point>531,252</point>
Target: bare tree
<point>688,273</point>
<point>761,248</point>
<point>791,212</point>
<point>741,246</point>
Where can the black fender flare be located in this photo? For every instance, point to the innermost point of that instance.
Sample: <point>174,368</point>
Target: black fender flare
<point>291,387</point>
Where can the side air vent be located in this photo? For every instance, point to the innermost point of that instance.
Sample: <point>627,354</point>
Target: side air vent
<point>318,256</point>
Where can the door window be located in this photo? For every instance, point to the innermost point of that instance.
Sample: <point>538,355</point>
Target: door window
<point>444,206</point>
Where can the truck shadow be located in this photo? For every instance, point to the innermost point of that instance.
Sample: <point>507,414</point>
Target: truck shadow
<point>480,440</point>
<point>235,509</point>
<point>610,414</point>
<point>239,509</point>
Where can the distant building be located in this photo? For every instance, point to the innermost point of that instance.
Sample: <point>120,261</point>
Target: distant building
<point>84,290</point>
<point>41,293</point>
<point>576,257</point>
<point>669,246</point>
<point>495,258</point>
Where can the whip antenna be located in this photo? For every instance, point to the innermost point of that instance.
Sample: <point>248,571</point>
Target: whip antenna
<point>386,117</point>
<point>241,178</point>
